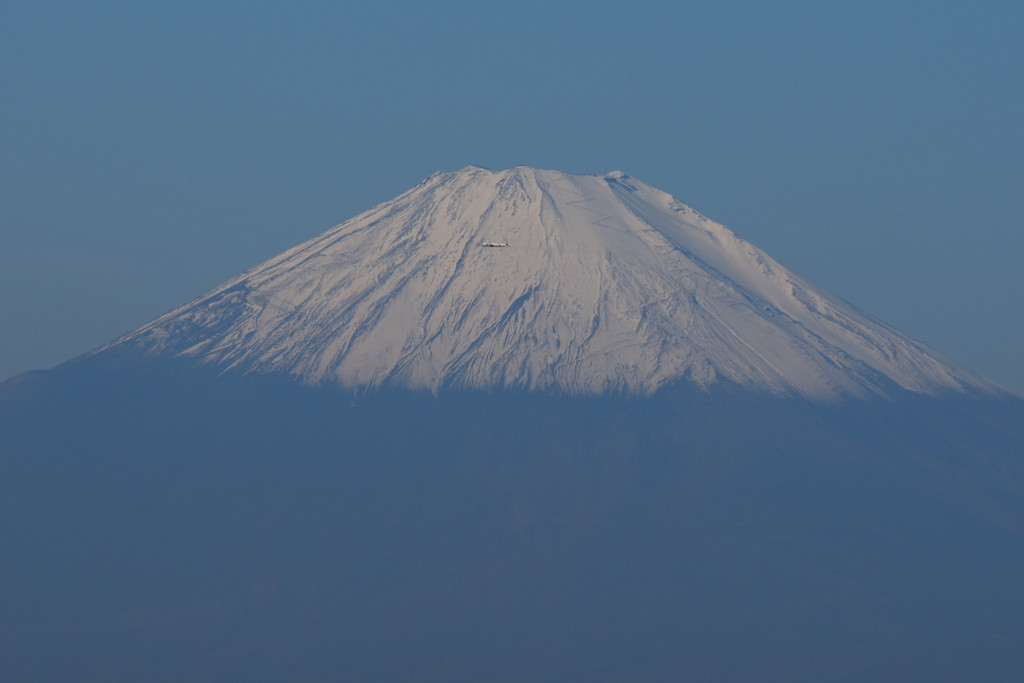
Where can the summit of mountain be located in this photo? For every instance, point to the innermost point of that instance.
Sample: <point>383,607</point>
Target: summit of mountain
<point>541,280</point>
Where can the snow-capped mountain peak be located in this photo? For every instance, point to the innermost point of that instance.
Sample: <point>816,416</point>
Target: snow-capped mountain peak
<point>541,280</point>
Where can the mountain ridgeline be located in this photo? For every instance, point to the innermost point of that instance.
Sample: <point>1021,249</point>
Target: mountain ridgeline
<point>515,425</point>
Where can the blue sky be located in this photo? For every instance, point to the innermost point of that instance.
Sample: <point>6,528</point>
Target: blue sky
<point>152,150</point>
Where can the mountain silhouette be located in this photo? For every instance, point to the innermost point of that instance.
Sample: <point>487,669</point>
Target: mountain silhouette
<point>515,425</point>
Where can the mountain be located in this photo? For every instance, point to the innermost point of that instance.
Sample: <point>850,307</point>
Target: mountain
<point>541,280</point>
<point>515,425</point>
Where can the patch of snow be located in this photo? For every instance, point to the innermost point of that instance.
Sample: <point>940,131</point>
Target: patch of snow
<point>606,284</point>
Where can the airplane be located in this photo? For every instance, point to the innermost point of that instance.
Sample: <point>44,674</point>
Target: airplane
<point>494,244</point>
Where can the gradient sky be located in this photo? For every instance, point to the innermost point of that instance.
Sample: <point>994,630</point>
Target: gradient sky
<point>153,150</point>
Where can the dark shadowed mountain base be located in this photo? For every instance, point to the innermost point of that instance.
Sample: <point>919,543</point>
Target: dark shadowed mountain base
<point>162,524</point>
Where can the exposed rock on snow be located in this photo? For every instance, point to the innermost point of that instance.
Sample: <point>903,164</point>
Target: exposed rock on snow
<point>603,284</point>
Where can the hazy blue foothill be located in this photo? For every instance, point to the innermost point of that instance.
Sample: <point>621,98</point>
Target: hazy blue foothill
<point>162,522</point>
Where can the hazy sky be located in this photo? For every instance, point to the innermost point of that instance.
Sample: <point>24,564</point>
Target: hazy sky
<point>153,150</point>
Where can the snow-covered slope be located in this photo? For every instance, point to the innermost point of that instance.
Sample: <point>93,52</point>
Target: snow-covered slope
<point>541,280</point>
